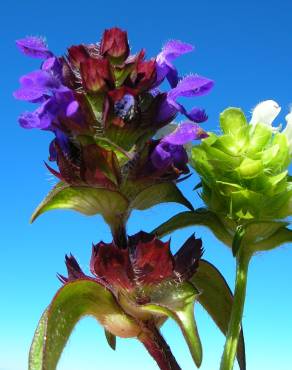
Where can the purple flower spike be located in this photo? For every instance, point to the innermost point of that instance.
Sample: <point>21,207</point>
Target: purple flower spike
<point>164,66</point>
<point>34,47</point>
<point>185,133</point>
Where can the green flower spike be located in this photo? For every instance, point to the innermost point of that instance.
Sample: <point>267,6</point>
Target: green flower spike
<point>247,191</point>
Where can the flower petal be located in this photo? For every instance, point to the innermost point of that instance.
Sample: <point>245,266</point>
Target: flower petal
<point>35,85</point>
<point>185,133</point>
<point>34,47</point>
<point>197,115</point>
<point>160,157</point>
<point>29,120</point>
<point>265,112</point>
<point>190,86</point>
<point>164,67</point>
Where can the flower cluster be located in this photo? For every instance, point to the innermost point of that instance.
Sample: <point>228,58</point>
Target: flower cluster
<point>244,171</point>
<point>137,270</point>
<point>138,274</point>
<point>104,106</point>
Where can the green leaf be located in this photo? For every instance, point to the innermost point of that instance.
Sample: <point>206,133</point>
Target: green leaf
<point>200,216</point>
<point>159,193</point>
<point>279,235</point>
<point>111,339</point>
<point>96,102</point>
<point>72,302</point>
<point>86,200</point>
<point>216,298</point>
<point>177,302</point>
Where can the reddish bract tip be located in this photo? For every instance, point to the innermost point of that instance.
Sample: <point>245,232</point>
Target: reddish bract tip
<point>151,259</point>
<point>112,264</point>
<point>77,55</point>
<point>95,74</point>
<point>114,43</point>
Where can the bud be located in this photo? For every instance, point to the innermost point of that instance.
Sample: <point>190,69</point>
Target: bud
<point>139,273</point>
<point>114,43</point>
<point>244,170</point>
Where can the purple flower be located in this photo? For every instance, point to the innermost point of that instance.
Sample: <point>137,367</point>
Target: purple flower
<point>185,133</point>
<point>54,66</point>
<point>164,66</point>
<point>123,106</point>
<point>34,47</point>
<point>170,150</point>
<point>190,86</point>
<point>166,154</point>
<point>36,86</point>
<point>45,86</point>
<point>62,103</point>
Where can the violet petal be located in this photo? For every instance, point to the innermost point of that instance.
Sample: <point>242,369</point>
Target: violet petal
<point>197,115</point>
<point>184,133</point>
<point>35,85</point>
<point>72,108</point>
<point>29,120</point>
<point>34,47</point>
<point>164,67</point>
<point>190,86</point>
<point>160,157</point>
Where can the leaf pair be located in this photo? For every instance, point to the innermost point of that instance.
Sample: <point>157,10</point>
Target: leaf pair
<point>110,204</point>
<point>85,297</point>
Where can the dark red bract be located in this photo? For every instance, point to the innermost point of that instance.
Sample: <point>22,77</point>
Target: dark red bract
<point>145,263</point>
<point>114,43</point>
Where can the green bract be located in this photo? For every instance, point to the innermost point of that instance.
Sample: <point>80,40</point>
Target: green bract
<point>244,171</point>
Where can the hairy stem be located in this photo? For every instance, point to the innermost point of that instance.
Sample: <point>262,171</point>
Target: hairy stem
<point>120,235</point>
<point>234,327</point>
<point>158,348</point>
<point>118,224</point>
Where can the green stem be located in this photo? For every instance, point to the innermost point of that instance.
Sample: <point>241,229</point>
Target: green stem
<point>120,235</point>
<point>230,349</point>
<point>118,226</point>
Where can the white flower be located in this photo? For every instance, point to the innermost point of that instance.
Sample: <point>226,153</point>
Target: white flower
<point>265,112</point>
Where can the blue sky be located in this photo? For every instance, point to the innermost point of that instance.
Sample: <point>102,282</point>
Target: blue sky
<point>246,47</point>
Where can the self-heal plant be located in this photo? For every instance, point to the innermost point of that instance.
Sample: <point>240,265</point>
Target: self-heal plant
<point>248,194</point>
<point>104,107</point>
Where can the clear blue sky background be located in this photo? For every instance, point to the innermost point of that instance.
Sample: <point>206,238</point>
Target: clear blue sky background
<point>246,46</point>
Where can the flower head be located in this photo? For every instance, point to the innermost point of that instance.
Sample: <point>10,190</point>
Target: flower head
<point>244,171</point>
<point>103,105</point>
<point>139,270</point>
